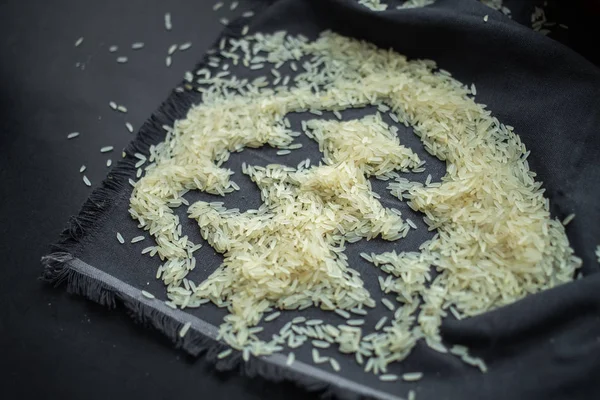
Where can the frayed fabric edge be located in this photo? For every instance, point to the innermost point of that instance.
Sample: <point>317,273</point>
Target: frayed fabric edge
<point>201,339</point>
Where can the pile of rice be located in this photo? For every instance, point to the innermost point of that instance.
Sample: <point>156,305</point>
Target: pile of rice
<point>495,243</point>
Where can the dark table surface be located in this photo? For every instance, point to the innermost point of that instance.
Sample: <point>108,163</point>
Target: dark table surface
<point>54,345</point>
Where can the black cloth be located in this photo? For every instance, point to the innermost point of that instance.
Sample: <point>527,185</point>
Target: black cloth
<point>544,346</point>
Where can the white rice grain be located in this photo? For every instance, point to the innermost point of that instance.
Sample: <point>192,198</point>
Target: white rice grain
<point>412,376</point>
<point>224,354</point>
<point>320,344</point>
<point>271,317</point>
<point>334,364</point>
<point>185,329</point>
<point>568,219</point>
<point>388,304</point>
<point>168,22</point>
<point>290,359</point>
<point>342,313</point>
<point>185,46</point>
<point>355,322</point>
<point>380,323</point>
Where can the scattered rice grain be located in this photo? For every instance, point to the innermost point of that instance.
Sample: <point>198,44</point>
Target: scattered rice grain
<point>185,329</point>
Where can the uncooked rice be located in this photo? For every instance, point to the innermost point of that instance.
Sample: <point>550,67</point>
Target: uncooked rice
<point>355,322</point>
<point>335,364</point>
<point>380,323</point>
<point>568,219</point>
<point>271,317</point>
<point>185,46</point>
<point>495,240</point>
<point>137,239</point>
<point>168,22</point>
<point>375,5</point>
<point>320,344</point>
<point>412,376</point>
<point>388,304</point>
<point>290,359</point>
<point>185,329</point>
<point>415,4</point>
<point>224,353</point>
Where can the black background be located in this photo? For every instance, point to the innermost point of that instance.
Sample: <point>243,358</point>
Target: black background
<point>54,345</point>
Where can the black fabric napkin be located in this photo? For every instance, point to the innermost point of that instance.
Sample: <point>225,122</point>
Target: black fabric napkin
<point>546,346</point>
